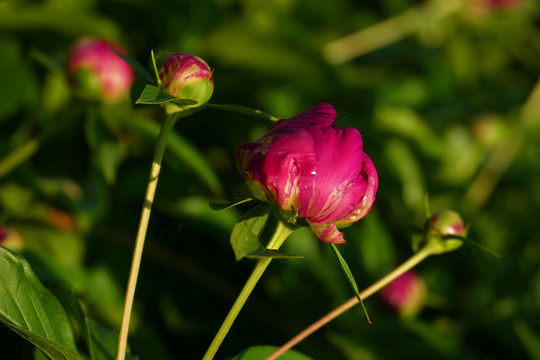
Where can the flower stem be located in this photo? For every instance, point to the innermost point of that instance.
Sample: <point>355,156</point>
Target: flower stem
<point>159,150</point>
<point>407,265</point>
<point>281,233</point>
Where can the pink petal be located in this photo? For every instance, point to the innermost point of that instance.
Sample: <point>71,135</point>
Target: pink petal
<point>327,233</point>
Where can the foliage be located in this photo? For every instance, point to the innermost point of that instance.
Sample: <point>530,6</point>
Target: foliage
<point>442,92</point>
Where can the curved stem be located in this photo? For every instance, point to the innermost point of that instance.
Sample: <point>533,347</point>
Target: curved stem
<point>281,233</point>
<point>406,266</point>
<point>159,150</point>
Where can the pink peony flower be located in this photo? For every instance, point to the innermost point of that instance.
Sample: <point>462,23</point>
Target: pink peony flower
<point>310,167</point>
<point>406,293</point>
<point>96,72</point>
<point>186,77</point>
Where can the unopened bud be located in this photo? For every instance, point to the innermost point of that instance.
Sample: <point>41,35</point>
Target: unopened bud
<point>407,294</point>
<point>186,77</point>
<point>443,230</point>
<point>96,73</point>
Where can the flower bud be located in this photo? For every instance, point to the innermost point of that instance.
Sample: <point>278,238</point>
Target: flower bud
<point>186,77</point>
<point>440,228</point>
<point>97,73</point>
<point>406,294</point>
<point>311,168</point>
<point>10,239</point>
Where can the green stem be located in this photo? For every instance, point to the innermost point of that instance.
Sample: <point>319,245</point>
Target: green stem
<point>159,150</point>
<point>406,266</point>
<point>281,233</point>
<point>18,156</point>
<point>242,110</point>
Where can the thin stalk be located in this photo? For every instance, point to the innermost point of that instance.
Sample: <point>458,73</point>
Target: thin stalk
<point>406,266</point>
<point>281,233</point>
<point>18,156</point>
<point>159,150</point>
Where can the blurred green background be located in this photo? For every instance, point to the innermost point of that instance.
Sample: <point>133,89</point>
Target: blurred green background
<point>441,90</point>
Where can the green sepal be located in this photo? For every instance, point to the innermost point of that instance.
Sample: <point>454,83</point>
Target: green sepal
<point>214,205</point>
<point>350,278</point>
<point>154,95</point>
<point>249,246</point>
<point>245,235</point>
<point>135,65</point>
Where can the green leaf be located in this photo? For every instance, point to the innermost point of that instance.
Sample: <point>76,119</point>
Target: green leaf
<point>75,311</point>
<point>243,110</point>
<point>228,204</point>
<point>108,150</point>
<point>51,348</point>
<point>135,65</point>
<point>104,342</point>
<point>245,235</point>
<point>28,305</point>
<point>261,352</point>
<point>181,148</point>
<point>350,277</point>
<point>529,339</point>
<point>154,95</point>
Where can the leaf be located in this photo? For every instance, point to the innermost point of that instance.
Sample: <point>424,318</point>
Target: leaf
<point>350,278</point>
<point>228,204</point>
<point>104,342</point>
<point>135,65</point>
<point>73,308</point>
<point>186,152</point>
<point>154,95</point>
<point>108,150</point>
<point>245,235</point>
<point>261,352</point>
<point>51,348</point>
<point>28,305</point>
<point>529,339</point>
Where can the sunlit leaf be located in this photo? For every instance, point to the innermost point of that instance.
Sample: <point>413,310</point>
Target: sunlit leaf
<point>350,277</point>
<point>29,308</point>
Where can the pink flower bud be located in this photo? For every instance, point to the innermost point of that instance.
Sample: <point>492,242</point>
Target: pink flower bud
<point>97,73</point>
<point>406,294</point>
<point>504,4</point>
<point>310,167</point>
<point>448,222</point>
<point>186,77</point>
<point>10,239</point>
